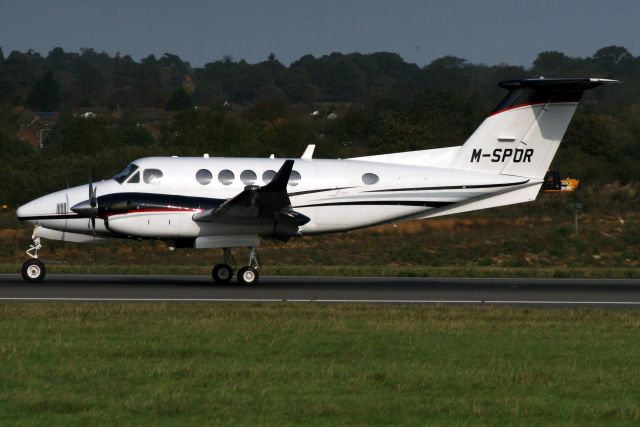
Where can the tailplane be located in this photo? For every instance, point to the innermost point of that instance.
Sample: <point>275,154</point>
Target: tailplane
<point>523,132</point>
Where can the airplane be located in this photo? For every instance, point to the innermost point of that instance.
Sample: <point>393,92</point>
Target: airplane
<point>227,203</point>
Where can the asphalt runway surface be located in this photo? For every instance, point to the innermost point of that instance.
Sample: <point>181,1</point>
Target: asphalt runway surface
<point>144,288</point>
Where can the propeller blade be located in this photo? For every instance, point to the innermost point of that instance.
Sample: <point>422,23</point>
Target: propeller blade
<point>93,201</point>
<point>88,208</point>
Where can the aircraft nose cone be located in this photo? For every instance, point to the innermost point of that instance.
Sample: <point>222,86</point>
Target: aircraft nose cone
<point>24,212</point>
<point>85,209</point>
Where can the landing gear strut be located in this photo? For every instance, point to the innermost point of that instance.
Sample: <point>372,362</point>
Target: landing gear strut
<point>247,275</point>
<point>33,271</point>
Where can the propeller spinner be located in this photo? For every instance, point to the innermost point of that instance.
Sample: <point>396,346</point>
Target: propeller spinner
<point>89,208</point>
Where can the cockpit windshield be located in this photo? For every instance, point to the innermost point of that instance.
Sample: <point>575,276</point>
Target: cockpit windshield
<point>125,173</point>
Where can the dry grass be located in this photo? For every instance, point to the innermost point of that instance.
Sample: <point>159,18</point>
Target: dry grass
<point>543,244</point>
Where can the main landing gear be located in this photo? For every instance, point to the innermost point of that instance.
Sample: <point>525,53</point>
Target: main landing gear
<point>247,275</point>
<point>33,271</point>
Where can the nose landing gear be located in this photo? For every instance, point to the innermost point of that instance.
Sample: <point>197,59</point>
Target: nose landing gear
<point>33,271</point>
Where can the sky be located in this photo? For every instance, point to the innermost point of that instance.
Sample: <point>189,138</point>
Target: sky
<point>201,31</point>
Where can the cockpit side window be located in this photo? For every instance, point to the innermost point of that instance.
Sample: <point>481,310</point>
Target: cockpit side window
<point>152,176</point>
<point>134,179</point>
<point>126,173</point>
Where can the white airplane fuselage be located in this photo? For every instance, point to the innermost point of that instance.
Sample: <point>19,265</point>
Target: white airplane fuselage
<point>336,195</point>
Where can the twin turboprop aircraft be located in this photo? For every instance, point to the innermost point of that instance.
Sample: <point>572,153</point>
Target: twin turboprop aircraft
<point>235,202</point>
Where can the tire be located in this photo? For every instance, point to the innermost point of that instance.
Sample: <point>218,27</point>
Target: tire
<point>33,271</point>
<point>248,276</point>
<point>222,273</point>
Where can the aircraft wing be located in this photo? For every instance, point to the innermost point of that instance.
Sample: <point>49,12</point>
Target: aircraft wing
<point>268,205</point>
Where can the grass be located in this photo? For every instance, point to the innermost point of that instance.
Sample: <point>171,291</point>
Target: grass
<point>290,364</point>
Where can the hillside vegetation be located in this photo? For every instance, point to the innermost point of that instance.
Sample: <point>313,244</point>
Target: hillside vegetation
<point>346,104</point>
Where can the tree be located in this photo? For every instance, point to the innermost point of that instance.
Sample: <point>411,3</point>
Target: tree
<point>131,131</point>
<point>180,100</point>
<point>612,55</point>
<point>10,145</point>
<point>195,132</point>
<point>45,94</point>
<point>552,62</point>
<point>79,136</point>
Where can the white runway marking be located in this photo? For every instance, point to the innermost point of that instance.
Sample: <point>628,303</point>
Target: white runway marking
<point>353,301</point>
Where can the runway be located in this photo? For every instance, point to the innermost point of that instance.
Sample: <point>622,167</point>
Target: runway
<point>138,288</point>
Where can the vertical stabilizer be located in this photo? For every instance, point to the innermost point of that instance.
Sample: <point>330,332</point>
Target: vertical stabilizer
<point>523,132</point>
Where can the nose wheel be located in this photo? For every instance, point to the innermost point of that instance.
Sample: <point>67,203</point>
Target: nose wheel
<point>33,271</point>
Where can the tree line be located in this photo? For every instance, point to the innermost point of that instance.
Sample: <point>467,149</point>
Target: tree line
<point>88,78</point>
<point>346,104</point>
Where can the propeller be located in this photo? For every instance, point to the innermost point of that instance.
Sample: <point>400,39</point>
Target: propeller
<point>89,208</point>
<point>93,202</point>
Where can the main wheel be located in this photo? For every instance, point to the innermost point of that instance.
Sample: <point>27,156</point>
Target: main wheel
<point>222,273</point>
<point>33,271</point>
<point>248,276</point>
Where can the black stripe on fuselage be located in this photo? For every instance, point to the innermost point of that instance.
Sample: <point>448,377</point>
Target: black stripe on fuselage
<point>299,193</point>
<point>155,200</point>
<point>52,216</point>
<point>449,187</point>
<point>381,202</point>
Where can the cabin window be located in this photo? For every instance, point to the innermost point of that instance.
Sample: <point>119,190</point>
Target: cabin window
<point>134,179</point>
<point>370,178</point>
<point>226,177</point>
<point>204,177</point>
<point>295,178</point>
<point>125,173</point>
<point>152,176</point>
<point>248,177</point>
<point>267,176</point>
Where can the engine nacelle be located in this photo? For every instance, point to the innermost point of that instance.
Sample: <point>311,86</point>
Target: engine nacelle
<point>154,225</point>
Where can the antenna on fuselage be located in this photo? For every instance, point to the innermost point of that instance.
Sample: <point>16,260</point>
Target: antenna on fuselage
<point>308,152</point>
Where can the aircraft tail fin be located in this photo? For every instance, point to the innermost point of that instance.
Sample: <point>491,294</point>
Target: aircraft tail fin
<point>524,131</point>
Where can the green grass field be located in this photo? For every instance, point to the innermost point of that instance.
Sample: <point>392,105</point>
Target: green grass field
<point>291,364</point>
